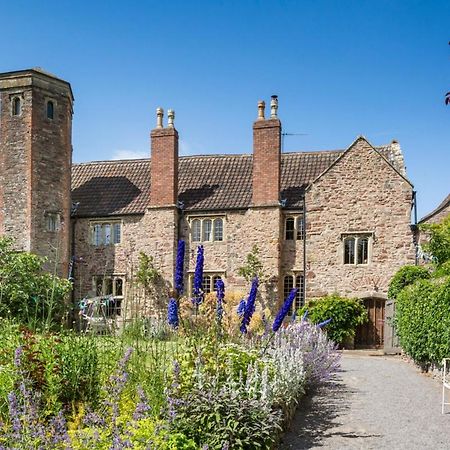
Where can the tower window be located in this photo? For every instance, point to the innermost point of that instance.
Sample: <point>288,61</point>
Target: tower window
<point>50,110</point>
<point>16,106</point>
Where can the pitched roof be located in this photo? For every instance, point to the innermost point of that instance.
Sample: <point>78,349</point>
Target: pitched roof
<point>442,205</point>
<point>212,182</point>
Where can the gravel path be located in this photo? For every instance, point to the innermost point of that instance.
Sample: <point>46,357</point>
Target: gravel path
<point>375,402</point>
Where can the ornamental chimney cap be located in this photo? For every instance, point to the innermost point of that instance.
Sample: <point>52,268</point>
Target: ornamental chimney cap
<point>274,107</point>
<point>159,117</point>
<point>170,118</point>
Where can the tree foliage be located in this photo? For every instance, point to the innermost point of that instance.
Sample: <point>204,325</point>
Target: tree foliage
<point>345,314</point>
<point>28,293</point>
<point>253,266</point>
<point>439,240</point>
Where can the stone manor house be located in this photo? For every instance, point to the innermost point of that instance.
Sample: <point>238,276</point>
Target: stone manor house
<point>324,221</point>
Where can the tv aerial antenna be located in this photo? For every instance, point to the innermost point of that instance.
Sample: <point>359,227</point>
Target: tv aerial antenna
<point>283,135</point>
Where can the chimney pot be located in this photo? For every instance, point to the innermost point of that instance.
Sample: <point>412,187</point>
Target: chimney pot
<point>261,109</point>
<point>274,107</point>
<point>170,118</point>
<point>159,117</point>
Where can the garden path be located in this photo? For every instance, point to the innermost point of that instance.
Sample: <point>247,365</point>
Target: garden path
<point>375,402</point>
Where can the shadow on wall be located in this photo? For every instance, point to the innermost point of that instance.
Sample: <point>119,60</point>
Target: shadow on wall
<point>111,194</point>
<point>293,195</point>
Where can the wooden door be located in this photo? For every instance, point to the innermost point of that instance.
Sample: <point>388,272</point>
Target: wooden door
<point>371,333</point>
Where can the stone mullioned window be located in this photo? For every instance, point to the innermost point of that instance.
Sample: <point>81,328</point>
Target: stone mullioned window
<point>291,281</point>
<point>106,233</point>
<point>207,229</point>
<point>208,283</point>
<point>294,227</point>
<point>357,248</point>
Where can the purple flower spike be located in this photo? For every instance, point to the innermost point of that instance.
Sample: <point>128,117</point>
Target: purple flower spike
<point>198,277</point>
<point>220,292</point>
<point>324,323</point>
<point>172,313</point>
<point>250,306</point>
<point>305,315</point>
<point>179,270</point>
<point>241,307</point>
<point>283,312</point>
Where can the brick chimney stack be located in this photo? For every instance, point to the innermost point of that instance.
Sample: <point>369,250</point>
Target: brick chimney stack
<point>164,161</point>
<point>266,156</point>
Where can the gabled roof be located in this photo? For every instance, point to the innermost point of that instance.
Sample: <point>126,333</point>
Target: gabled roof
<point>442,205</point>
<point>210,182</point>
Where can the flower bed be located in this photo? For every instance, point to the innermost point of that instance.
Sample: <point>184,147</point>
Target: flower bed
<point>221,376</point>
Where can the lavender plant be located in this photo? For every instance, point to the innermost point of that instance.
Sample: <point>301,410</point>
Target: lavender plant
<point>179,268</point>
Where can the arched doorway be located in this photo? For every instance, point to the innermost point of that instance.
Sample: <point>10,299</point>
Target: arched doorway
<point>371,333</point>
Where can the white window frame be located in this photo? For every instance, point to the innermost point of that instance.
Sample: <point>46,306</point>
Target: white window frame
<point>296,229</point>
<point>113,235</point>
<point>212,233</point>
<point>357,237</point>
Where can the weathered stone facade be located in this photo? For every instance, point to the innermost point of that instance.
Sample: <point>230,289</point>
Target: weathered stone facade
<point>361,192</point>
<point>35,163</point>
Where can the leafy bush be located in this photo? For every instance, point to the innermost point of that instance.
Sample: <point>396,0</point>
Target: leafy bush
<point>345,314</point>
<point>27,293</point>
<point>406,276</point>
<point>422,321</point>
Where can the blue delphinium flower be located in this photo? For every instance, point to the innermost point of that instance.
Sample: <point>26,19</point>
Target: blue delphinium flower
<point>220,292</point>
<point>324,323</point>
<point>305,315</point>
<point>283,312</point>
<point>179,268</point>
<point>250,306</point>
<point>172,313</point>
<point>197,299</point>
<point>241,307</point>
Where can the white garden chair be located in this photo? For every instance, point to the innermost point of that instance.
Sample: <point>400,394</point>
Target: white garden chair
<point>445,381</point>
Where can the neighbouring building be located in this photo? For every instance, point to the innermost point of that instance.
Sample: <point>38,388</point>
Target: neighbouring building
<point>324,221</point>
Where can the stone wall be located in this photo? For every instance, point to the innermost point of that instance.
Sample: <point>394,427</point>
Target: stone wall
<point>360,193</point>
<point>35,165</point>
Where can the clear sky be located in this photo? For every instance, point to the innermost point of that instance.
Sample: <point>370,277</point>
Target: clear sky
<point>340,68</point>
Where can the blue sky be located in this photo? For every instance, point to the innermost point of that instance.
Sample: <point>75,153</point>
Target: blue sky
<point>340,68</point>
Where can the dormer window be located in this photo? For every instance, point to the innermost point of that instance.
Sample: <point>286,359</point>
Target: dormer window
<point>50,110</point>
<point>16,106</point>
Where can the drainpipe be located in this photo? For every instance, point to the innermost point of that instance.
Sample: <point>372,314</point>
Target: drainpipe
<point>304,247</point>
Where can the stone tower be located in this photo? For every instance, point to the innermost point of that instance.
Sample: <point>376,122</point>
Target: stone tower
<point>35,164</point>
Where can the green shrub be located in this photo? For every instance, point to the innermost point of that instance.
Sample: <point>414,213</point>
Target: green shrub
<point>406,276</point>
<point>28,293</point>
<point>345,314</point>
<point>422,321</point>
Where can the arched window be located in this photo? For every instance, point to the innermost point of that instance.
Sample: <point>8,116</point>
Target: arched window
<point>50,110</point>
<point>16,106</point>
<point>196,230</point>
<point>218,230</point>
<point>289,229</point>
<point>207,229</point>
<point>349,250</point>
